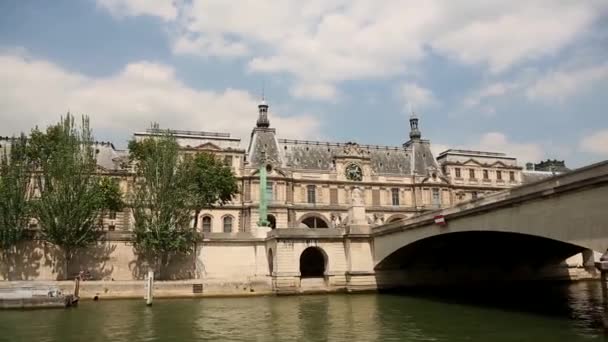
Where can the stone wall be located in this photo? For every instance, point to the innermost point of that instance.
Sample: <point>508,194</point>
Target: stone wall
<point>118,260</point>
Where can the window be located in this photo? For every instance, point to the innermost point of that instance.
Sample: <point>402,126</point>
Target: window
<point>472,173</point>
<point>485,174</point>
<point>436,198</point>
<point>269,191</point>
<point>228,224</point>
<point>228,161</point>
<point>311,192</point>
<point>512,176</point>
<point>112,215</point>
<point>474,194</point>
<point>111,227</point>
<point>457,171</point>
<point>333,196</point>
<point>395,196</point>
<point>375,196</point>
<point>499,175</point>
<point>207,224</point>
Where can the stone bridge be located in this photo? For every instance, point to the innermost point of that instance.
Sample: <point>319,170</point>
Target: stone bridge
<point>569,210</point>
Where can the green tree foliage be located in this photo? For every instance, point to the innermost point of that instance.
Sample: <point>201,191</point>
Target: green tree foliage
<point>210,182</point>
<point>72,194</point>
<point>160,200</point>
<point>15,176</point>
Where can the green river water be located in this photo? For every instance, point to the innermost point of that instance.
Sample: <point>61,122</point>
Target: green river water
<point>553,312</point>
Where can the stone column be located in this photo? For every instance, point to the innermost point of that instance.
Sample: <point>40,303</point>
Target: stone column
<point>360,274</point>
<point>602,266</point>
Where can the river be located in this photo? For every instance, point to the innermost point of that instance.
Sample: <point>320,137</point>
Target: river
<point>555,312</point>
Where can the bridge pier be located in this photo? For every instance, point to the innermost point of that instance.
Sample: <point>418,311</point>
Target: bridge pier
<point>602,266</point>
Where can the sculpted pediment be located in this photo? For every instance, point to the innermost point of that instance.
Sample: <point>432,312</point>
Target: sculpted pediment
<point>208,146</point>
<point>353,150</point>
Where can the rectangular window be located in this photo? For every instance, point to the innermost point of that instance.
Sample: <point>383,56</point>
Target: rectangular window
<point>395,196</point>
<point>436,200</point>
<point>485,174</point>
<point>111,227</point>
<point>289,192</point>
<point>112,215</point>
<point>512,176</point>
<point>206,224</point>
<point>333,196</point>
<point>457,171</point>
<point>269,191</point>
<point>472,173</point>
<point>311,191</point>
<point>228,161</point>
<point>375,196</point>
<point>499,175</point>
<point>474,194</point>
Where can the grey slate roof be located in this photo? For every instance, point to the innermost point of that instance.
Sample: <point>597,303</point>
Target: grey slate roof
<point>318,155</point>
<point>422,156</point>
<point>109,158</point>
<point>263,147</point>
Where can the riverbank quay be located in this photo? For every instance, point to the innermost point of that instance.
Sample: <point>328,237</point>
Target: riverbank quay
<point>196,288</point>
<point>99,290</point>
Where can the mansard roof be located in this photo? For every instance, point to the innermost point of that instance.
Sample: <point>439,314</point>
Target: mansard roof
<point>319,155</point>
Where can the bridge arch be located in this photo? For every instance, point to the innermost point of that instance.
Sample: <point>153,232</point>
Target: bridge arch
<point>482,248</point>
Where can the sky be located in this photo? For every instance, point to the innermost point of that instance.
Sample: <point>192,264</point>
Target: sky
<point>527,78</point>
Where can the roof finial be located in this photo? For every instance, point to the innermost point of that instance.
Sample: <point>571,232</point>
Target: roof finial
<point>414,131</point>
<point>263,111</point>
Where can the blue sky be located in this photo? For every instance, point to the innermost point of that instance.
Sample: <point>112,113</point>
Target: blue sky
<point>526,78</point>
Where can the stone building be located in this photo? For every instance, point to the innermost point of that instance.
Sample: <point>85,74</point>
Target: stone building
<point>323,199</point>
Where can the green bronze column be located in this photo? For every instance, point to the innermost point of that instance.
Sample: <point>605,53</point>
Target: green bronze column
<point>263,210</point>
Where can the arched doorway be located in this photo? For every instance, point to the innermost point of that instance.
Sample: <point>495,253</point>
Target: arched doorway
<point>312,263</point>
<point>272,221</point>
<point>315,222</point>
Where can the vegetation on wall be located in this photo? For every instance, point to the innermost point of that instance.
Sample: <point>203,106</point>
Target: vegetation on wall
<point>211,182</point>
<point>72,194</point>
<point>15,175</point>
<point>160,201</point>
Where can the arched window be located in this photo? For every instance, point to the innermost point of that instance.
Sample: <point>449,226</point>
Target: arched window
<point>207,224</point>
<point>315,222</point>
<point>272,221</point>
<point>227,224</point>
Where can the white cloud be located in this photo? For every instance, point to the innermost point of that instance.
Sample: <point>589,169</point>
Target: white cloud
<point>489,91</point>
<point>164,9</point>
<point>596,143</point>
<point>560,84</point>
<point>325,42</point>
<point>499,142</point>
<point>416,96</point>
<point>321,91</point>
<point>37,92</point>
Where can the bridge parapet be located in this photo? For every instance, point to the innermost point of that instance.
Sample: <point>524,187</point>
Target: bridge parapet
<point>587,176</point>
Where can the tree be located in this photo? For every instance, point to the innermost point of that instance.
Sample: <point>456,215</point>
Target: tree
<point>15,177</point>
<point>160,200</point>
<point>210,182</point>
<point>72,196</point>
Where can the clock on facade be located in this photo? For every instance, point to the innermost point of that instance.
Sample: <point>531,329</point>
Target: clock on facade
<point>354,173</point>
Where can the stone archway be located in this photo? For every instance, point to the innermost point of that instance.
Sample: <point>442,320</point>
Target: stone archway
<point>312,263</point>
<point>314,221</point>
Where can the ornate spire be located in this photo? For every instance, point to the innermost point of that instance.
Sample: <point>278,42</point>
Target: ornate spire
<point>414,132</point>
<point>263,114</point>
